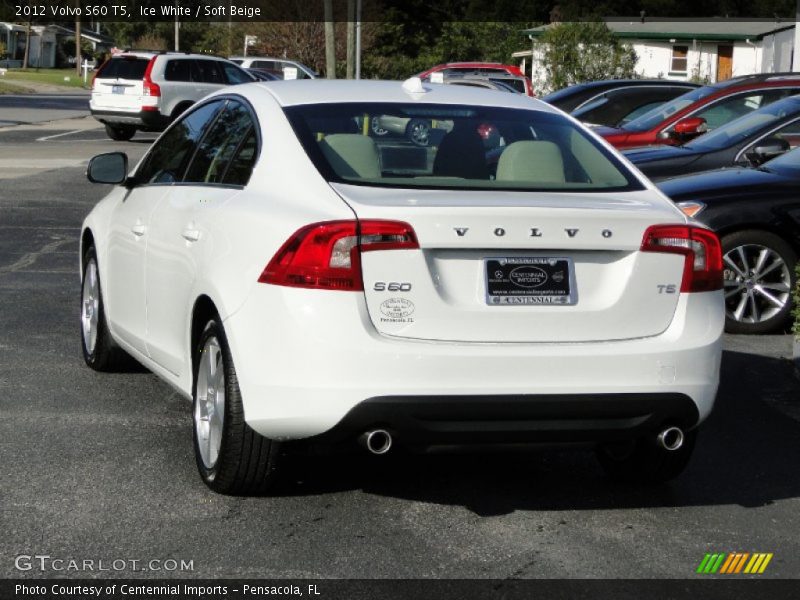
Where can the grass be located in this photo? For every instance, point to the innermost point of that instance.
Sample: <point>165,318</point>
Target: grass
<point>48,76</point>
<point>11,88</point>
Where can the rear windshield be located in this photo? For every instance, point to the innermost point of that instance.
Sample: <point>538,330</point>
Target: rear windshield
<point>124,68</point>
<point>659,114</point>
<point>438,146</point>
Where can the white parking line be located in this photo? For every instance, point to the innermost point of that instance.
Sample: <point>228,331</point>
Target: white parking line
<point>58,135</point>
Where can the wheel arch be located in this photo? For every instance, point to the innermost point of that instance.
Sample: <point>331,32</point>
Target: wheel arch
<point>782,233</point>
<point>87,240</point>
<point>203,310</point>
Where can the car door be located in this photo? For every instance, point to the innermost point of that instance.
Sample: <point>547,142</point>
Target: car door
<point>132,220</point>
<point>209,77</point>
<point>181,237</point>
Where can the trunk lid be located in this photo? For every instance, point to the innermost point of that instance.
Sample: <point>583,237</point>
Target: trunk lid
<point>539,244</point>
<point>120,84</point>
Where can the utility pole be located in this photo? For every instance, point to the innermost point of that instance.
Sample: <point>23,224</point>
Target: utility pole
<point>358,39</point>
<point>351,34</point>
<point>78,53</point>
<point>177,28</point>
<point>330,41</point>
<point>796,56</point>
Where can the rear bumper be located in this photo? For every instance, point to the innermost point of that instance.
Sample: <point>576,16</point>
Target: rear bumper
<point>309,361</point>
<point>526,418</point>
<point>145,119</point>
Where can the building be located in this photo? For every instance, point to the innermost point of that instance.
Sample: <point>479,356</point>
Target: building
<point>704,51</point>
<point>45,41</point>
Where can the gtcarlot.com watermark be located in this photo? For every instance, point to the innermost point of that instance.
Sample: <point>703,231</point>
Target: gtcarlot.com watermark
<point>46,563</point>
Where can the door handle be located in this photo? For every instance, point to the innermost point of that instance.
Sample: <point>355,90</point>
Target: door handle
<point>139,229</point>
<point>190,234</point>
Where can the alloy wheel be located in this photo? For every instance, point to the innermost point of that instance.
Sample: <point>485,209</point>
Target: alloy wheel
<point>757,283</point>
<point>90,306</point>
<point>209,409</point>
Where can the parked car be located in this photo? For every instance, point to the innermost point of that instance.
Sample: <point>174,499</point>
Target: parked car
<point>148,90</point>
<point>747,141</point>
<point>706,108</point>
<point>500,82</point>
<point>577,96</point>
<point>265,74</point>
<point>756,213</point>
<point>622,105</point>
<point>480,68</point>
<point>300,281</point>
<point>291,69</point>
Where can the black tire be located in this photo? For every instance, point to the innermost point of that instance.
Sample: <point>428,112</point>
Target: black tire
<point>644,461</point>
<point>106,355</point>
<point>768,319</point>
<point>246,461</point>
<point>120,133</point>
<point>419,131</point>
<point>179,110</point>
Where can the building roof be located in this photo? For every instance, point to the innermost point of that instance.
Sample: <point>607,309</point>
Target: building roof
<point>687,29</point>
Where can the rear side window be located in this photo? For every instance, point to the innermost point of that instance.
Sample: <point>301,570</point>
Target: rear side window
<point>265,64</point>
<point>178,70</point>
<point>124,68</point>
<point>172,152</point>
<point>228,151</point>
<point>209,71</point>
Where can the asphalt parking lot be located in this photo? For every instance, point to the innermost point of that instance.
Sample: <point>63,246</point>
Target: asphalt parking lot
<point>99,466</point>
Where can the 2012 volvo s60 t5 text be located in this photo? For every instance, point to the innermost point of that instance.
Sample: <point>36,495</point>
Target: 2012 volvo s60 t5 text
<point>298,278</point>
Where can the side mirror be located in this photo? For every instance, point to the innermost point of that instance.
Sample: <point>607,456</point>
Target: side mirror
<point>767,149</point>
<point>108,168</point>
<point>689,127</point>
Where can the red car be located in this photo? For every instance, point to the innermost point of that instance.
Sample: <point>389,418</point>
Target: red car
<point>480,68</point>
<point>702,109</point>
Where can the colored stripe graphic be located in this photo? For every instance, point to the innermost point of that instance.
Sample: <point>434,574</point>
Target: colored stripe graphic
<point>734,563</point>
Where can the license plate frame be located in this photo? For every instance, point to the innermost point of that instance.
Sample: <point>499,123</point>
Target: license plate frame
<point>530,281</point>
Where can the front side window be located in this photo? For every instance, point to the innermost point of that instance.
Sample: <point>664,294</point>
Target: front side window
<point>458,147</point>
<point>235,75</point>
<point>738,130</point>
<point>658,115</point>
<point>737,106</point>
<point>169,156</point>
<point>679,61</point>
<point>228,151</point>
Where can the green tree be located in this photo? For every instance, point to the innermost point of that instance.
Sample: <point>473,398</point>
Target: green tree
<point>575,52</point>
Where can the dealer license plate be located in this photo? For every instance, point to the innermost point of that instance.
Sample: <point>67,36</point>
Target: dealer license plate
<point>530,280</point>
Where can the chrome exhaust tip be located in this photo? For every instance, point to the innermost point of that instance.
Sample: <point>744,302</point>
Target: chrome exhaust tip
<point>671,438</point>
<point>376,441</point>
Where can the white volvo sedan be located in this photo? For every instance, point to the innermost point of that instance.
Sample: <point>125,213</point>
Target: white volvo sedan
<point>299,278</point>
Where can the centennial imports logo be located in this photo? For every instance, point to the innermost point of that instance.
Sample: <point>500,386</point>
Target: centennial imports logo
<point>528,276</point>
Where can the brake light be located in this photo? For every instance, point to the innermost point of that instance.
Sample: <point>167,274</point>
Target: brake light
<point>98,71</point>
<point>150,89</point>
<point>702,271</point>
<point>328,255</point>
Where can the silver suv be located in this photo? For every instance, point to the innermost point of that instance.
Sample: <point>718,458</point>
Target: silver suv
<point>148,90</point>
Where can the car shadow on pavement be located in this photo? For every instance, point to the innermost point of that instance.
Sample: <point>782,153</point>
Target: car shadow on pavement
<point>747,454</point>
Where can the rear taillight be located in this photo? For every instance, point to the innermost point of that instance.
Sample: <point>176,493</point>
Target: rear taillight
<point>98,71</point>
<point>150,89</point>
<point>702,271</point>
<point>328,255</point>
